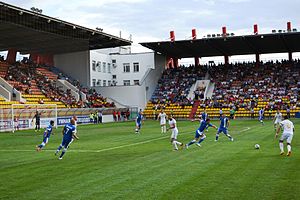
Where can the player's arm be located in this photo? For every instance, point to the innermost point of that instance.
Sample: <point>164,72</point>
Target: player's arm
<point>211,125</point>
<point>278,130</point>
<point>171,127</point>
<point>75,136</point>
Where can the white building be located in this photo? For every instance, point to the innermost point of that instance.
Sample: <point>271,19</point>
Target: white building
<point>127,78</point>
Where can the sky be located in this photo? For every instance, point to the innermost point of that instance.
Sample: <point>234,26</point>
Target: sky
<point>152,20</point>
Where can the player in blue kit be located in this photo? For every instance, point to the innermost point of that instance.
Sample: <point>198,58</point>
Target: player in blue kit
<point>204,116</point>
<point>261,113</point>
<point>224,124</point>
<point>200,133</point>
<point>46,136</point>
<point>138,122</point>
<point>69,131</point>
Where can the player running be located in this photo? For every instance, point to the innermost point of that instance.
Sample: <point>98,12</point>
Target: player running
<point>224,124</point>
<point>200,133</point>
<point>138,122</point>
<point>163,117</point>
<point>261,113</point>
<point>69,131</point>
<point>46,136</point>
<point>75,119</point>
<point>173,127</point>
<point>287,134</point>
<point>277,119</point>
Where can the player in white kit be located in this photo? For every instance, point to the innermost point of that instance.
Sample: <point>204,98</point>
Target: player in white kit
<point>277,119</point>
<point>287,134</point>
<point>173,127</point>
<point>163,118</point>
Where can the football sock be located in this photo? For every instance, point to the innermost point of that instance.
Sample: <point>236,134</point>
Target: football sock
<point>281,147</point>
<point>58,149</point>
<point>162,129</point>
<point>63,153</point>
<point>191,142</point>
<point>178,143</point>
<point>175,145</point>
<point>289,147</point>
<point>165,129</point>
<point>201,140</point>
<point>217,136</point>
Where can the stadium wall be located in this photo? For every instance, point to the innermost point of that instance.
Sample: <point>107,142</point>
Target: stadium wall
<point>76,65</point>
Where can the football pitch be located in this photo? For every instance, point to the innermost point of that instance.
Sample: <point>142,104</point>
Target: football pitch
<point>110,161</point>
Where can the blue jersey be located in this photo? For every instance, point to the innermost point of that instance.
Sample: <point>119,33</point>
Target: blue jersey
<point>203,125</point>
<point>48,131</point>
<point>139,118</point>
<point>224,122</point>
<point>204,116</point>
<point>261,112</point>
<point>69,130</point>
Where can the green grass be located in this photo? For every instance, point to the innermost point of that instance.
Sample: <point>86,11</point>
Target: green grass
<point>111,162</point>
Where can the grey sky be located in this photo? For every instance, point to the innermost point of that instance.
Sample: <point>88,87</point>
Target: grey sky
<point>151,20</point>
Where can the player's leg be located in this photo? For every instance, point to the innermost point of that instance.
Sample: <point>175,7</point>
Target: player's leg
<point>217,134</point>
<point>43,144</point>
<point>197,135</point>
<point>201,140</point>
<point>288,144</point>
<point>281,147</point>
<point>59,147</point>
<point>138,128</point>
<point>65,145</point>
<point>165,128</point>
<point>227,134</point>
<point>70,142</point>
<point>162,128</point>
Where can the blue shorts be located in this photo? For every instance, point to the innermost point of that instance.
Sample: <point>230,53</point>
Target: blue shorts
<point>66,141</point>
<point>139,124</point>
<point>198,134</point>
<point>224,130</point>
<point>260,118</point>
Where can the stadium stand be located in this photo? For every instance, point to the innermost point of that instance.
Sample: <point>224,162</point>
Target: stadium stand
<point>37,83</point>
<point>244,87</point>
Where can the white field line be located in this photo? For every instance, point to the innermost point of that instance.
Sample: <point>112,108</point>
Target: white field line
<point>102,150</point>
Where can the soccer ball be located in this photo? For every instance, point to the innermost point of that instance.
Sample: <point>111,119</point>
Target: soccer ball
<point>256,146</point>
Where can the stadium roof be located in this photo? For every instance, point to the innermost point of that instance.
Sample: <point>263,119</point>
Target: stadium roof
<point>229,45</point>
<point>32,32</point>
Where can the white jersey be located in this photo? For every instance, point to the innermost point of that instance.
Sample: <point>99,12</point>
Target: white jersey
<point>288,126</point>
<point>278,118</point>
<point>172,123</point>
<point>163,117</point>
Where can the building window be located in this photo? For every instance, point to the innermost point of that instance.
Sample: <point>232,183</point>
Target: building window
<point>94,65</point>
<point>114,76</point>
<point>94,82</point>
<point>104,82</point>
<point>99,66</point>
<point>136,82</point>
<point>126,67</point>
<point>99,82</point>
<point>126,82</point>
<point>108,68</point>
<point>108,83</point>
<point>104,67</point>
<point>136,67</point>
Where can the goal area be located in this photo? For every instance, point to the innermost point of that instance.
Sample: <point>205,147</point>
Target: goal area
<point>21,116</point>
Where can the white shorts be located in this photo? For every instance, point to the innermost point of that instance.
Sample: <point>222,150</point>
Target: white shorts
<point>277,121</point>
<point>162,122</point>
<point>174,134</point>
<point>287,136</point>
